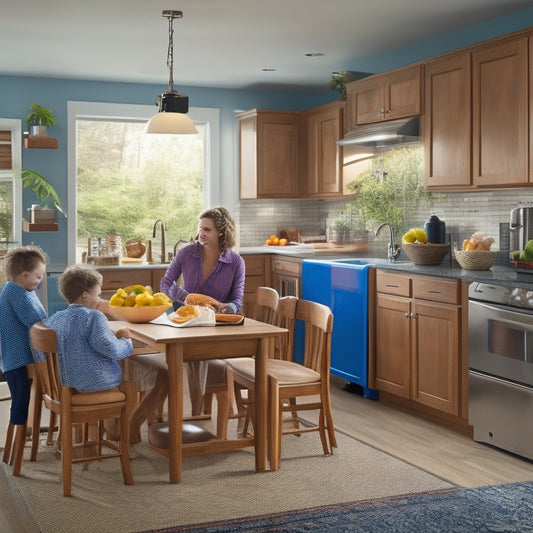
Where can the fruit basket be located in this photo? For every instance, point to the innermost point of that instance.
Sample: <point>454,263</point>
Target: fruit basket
<point>427,254</point>
<point>137,315</point>
<point>475,259</point>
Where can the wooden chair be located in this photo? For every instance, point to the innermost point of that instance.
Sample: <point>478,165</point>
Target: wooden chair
<point>290,381</point>
<point>74,407</point>
<point>16,434</point>
<point>244,368</point>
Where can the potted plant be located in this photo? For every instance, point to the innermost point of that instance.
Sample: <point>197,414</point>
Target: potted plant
<point>45,193</point>
<point>338,82</point>
<point>39,119</point>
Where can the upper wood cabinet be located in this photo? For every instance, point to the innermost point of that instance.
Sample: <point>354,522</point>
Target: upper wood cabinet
<point>321,174</point>
<point>269,154</point>
<point>388,96</point>
<point>448,122</point>
<point>500,114</point>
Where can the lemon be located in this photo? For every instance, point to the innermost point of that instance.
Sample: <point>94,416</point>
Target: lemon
<point>409,237</point>
<point>420,234</point>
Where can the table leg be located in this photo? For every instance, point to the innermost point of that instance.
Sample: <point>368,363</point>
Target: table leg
<point>174,355</point>
<point>261,405</point>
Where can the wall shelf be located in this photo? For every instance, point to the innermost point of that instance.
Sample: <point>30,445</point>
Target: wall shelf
<point>28,226</point>
<point>39,141</point>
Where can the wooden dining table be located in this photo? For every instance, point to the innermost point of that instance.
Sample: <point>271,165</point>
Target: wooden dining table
<point>180,345</point>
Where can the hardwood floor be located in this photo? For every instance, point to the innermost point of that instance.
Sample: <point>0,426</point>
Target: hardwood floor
<point>436,449</point>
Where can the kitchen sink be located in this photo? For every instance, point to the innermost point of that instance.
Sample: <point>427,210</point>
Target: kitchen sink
<point>368,261</point>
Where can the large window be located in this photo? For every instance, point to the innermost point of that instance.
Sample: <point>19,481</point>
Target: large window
<point>125,180</point>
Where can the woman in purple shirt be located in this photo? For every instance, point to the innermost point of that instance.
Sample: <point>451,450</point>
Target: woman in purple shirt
<point>209,266</point>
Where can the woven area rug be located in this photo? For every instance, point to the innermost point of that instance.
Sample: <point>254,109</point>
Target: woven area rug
<point>498,509</point>
<point>214,487</point>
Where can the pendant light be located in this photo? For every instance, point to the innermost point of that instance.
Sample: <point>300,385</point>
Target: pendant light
<point>172,105</point>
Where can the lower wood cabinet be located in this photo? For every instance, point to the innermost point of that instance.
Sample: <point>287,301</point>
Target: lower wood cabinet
<point>257,275</point>
<point>419,352</point>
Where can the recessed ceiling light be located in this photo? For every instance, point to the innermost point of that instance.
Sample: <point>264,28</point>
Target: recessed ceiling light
<point>269,70</point>
<point>314,54</point>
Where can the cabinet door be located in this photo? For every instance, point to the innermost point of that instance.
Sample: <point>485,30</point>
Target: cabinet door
<point>393,344</point>
<point>368,100</point>
<point>277,155</point>
<point>324,163</point>
<point>435,365</point>
<point>269,152</point>
<point>500,112</point>
<point>447,122</point>
<point>257,274</point>
<point>402,93</point>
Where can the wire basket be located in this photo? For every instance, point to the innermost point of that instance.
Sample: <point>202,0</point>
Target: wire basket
<point>426,254</point>
<point>475,259</point>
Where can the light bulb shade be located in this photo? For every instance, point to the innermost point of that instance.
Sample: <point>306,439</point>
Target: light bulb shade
<point>171,123</point>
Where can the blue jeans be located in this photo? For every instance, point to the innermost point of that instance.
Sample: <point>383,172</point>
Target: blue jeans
<point>19,387</point>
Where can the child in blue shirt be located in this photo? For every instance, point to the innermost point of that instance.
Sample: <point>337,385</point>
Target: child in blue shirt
<point>87,348</point>
<point>20,308</point>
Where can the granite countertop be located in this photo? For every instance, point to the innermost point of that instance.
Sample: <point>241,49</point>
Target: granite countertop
<point>499,274</point>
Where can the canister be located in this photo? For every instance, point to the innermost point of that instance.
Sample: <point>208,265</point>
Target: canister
<point>435,230</point>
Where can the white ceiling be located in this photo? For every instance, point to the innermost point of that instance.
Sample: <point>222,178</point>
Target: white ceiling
<point>222,43</point>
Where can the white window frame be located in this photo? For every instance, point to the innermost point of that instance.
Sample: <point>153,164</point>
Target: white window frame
<point>14,173</point>
<point>208,117</point>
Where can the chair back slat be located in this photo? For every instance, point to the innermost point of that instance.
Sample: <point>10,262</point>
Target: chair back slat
<point>285,318</point>
<point>266,305</point>
<point>318,320</point>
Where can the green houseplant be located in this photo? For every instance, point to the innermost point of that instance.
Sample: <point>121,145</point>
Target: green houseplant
<point>338,82</point>
<point>43,190</point>
<point>390,189</point>
<point>39,119</point>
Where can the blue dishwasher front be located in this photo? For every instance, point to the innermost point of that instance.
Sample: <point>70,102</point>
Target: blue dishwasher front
<point>343,287</point>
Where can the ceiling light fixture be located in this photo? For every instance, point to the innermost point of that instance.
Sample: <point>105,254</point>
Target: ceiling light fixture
<point>172,105</point>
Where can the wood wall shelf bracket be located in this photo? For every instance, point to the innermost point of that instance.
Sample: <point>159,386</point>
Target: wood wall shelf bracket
<point>28,226</point>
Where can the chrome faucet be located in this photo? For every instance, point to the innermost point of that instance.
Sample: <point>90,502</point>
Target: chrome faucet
<point>163,253</point>
<point>393,251</point>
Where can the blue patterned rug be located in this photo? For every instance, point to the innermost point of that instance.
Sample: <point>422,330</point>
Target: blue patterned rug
<point>491,509</point>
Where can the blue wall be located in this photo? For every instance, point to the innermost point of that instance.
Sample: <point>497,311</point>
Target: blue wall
<point>17,93</point>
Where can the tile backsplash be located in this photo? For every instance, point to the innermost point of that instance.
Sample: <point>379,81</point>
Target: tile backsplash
<point>464,213</point>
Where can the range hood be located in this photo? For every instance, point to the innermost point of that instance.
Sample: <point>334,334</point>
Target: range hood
<point>386,133</point>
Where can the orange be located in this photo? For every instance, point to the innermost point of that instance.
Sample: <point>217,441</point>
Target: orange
<point>267,241</point>
<point>275,241</point>
<point>283,242</point>
<point>272,237</point>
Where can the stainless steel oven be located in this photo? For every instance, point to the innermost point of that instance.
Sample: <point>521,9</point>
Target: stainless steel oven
<point>501,367</point>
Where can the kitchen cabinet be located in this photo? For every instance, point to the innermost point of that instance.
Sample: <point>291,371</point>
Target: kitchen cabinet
<point>500,114</point>
<point>322,173</point>
<point>388,96</point>
<point>419,352</point>
<point>269,154</point>
<point>257,274</point>
<point>286,276</point>
<point>448,122</point>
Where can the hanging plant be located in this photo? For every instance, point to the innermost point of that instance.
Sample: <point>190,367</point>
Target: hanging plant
<point>42,189</point>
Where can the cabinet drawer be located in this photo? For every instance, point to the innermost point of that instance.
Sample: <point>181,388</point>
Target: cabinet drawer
<point>115,279</point>
<point>287,267</point>
<point>255,266</point>
<point>437,290</point>
<point>393,283</point>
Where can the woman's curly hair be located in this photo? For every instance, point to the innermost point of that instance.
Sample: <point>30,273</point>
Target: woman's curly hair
<point>224,225</point>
